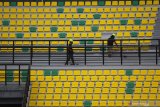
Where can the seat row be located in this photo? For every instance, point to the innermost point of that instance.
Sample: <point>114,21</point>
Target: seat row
<point>40,22</point>
<point>80,10</point>
<point>94,103</point>
<point>82,3</point>
<point>78,16</point>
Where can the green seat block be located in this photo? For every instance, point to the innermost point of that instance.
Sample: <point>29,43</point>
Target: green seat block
<point>33,29</point>
<point>25,49</point>
<point>80,10</point>
<point>101,49</point>
<point>134,34</point>
<point>74,23</point>
<point>19,35</point>
<point>123,22</point>
<point>24,72</point>
<point>129,91</point>
<point>9,72</point>
<point>82,23</point>
<point>60,3</point>
<point>87,103</point>
<point>62,35</point>
<point>47,72</point>
<point>130,85</point>
<point>23,79</point>
<point>60,49</point>
<point>128,72</point>
<point>60,10</point>
<point>54,72</point>
<point>94,28</point>
<point>135,2</point>
<point>137,22</point>
<point>88,49</point>
<point>82,42</point>
<point>97,16</point>
<point>90,41</point>
<point>53,29</point>
<point>101,3</point>
<point>5,22</point>
<point>9,79</point>
<point>13,3</point>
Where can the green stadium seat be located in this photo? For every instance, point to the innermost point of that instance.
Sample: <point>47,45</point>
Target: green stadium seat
<point>13,3</point>
<point>88,49</point>
<point>90,41</point>
<point>53,29</point>
<point>60,3</point>
<point>60,49</point>
<point>25,49</point>
<point>87,103</point>
<point>97,16</point>
<point>101,3</point>
<point>82,23</point>
<point>130,85</point>
<point>134,34</point>
<point>137,22</point>
<point>33,29</point>
<point>24,79</point>
<point>47,72</point>
<point>129,91</point>
<point>128,72</point>
<point>123,22</point>
<point>60,10</point>
<point>54,72</point>
<point>24,72</point>
<point>62,35</point>
<point>9,72</point>
<point>6,22</point>
<point>94,28</point>
<point>9,79</point>
<point>19,35</point>
<point>74,23</point>
<point>80,10</point>
<point>135,2</point>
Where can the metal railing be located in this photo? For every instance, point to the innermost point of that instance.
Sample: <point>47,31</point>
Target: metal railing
<point>47,52</point>
<point>18,67</point>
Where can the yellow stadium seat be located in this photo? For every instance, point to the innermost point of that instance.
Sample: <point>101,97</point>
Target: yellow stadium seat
<point>53,3</point>
<point>145,15</point>
<point>152,21</point>
<point>156,2</point>
<point>33,3</point>
<point>150,27</point>
<point>128,27</point>
<point>152,14</point>
<point>149,2</point>
<point>103,16</point>
<point>110,15</point>
<point>149,34</point>
<point>128,3</point>
<point>117,15</point>
<point>142,2</point>
<point>121,3</point>
<point>67,3</point>
<point>131,15</point>
<point>68,16</point>
<point>74,3</point>
<point>26,3</point>
<point>94,3</point>
<point>19,3</point>
<point>141,34</point>
<point>47,4</point>
<point>135,27</point>
<point>108,3</point>
<point>40,3</point>
<point>100,10</point>
<point>124,15</point>
<point>154,9</point>
<point>61,16</point>
<point>147,9</point>
<point>81,3</point>
<point>114,3</point>
<point>54,22</point>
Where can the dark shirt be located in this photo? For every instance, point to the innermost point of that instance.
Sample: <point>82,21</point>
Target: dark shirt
<point>110,42</point>
<point>70,50</point>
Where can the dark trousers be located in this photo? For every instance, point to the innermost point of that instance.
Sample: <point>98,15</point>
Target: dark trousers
<point>70,56</point>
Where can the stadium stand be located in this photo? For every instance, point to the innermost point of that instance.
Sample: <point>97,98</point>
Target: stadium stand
<point>94,88</point>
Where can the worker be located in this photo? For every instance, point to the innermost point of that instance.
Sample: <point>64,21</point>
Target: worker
<point>70,53</point>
